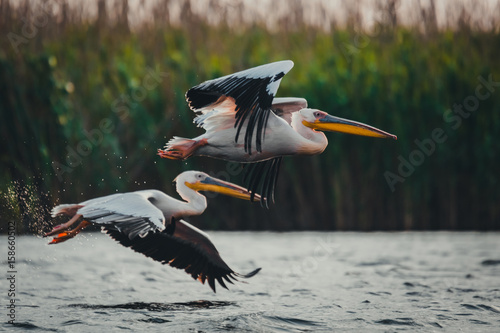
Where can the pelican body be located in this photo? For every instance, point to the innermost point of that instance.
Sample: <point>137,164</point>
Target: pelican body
<point>244,122</point>
<point>278,136</point>
<point>150,222</point>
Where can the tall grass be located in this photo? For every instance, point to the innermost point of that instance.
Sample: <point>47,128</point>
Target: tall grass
<point>78,78</point>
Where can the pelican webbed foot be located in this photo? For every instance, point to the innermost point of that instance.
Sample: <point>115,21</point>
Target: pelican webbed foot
<point>181,149</point>
<point>64,236</point>
<point>63,226</point>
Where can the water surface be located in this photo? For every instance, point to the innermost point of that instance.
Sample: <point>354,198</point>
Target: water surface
<point>310,282</point>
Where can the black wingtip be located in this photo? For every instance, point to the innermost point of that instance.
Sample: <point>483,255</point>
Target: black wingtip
<point>211,283</point>
<point>249,275</point>
<point>264,203</point>
<point>261,177</point>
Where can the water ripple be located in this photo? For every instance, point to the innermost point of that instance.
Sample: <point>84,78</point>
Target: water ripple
<point>30,326</point>
<point>72,322</point>
<point>490,262</point>
<point>481,307</point>
<point>259,322</point>
<point>157,306</point>
<point>155,320</point>
<point>398,321</point>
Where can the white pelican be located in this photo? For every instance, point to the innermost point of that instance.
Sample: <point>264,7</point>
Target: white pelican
<point>244,103</point>
<point>149,222</point>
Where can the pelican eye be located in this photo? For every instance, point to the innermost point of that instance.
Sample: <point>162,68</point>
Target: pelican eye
<point>318,114</point>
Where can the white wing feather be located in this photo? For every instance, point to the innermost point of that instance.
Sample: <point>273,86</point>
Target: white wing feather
<point>132,213</point>
<point>219,118</point>
<point>220,115</point>
<point>284,107</point>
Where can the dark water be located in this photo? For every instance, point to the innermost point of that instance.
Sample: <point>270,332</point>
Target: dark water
<point>310,282</point>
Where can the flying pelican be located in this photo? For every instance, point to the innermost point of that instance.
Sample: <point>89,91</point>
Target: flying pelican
<point>244,103</point>
<point>150,222</point>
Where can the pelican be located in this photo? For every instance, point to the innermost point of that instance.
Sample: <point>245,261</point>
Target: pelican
<point>244,103</point>
<point>150,222</point>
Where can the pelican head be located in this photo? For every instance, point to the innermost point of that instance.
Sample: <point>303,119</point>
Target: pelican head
<point>322,121</point>
<point>200,181</point>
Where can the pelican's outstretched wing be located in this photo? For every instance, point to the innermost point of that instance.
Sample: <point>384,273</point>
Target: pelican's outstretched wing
<point>183,246</point>
<point>285,106</point>
<point>261,177</point>
<point>132,214</point>
<point>249,95</point>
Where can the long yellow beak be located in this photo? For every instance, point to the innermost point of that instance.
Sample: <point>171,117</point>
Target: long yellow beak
<point>220,186</point>
<point>336,124</point>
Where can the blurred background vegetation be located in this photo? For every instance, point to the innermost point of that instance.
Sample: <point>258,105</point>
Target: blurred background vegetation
<point>86,100</point>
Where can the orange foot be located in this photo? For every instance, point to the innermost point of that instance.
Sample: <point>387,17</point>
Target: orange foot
<point>54,230</point>
<point>182,149</point>
<point>64,226</point>
<point>64,236</point>
<point>171,154</point>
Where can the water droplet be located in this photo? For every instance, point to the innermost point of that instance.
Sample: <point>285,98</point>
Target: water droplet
<point>70,87</point>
